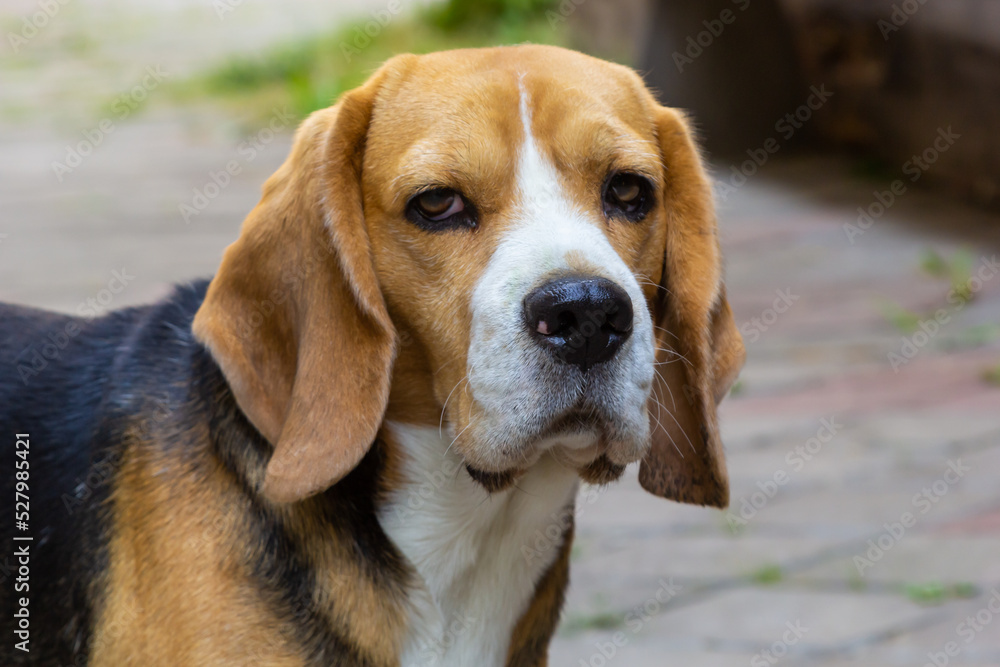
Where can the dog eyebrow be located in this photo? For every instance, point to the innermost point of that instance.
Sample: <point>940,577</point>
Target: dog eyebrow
<point>426,165</point>
<point>622,150</point>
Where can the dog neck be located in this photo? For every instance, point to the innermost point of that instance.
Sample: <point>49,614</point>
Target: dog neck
<point>473,552</point>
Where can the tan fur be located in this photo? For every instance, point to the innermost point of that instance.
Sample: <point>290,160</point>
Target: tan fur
<point>383,272</point>
<point>314,369</point>
<point>701,350</point>
<point>175,588</point>
<point>332,312</point>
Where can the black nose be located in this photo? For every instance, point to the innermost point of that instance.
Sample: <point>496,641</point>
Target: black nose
<point>582,321</point>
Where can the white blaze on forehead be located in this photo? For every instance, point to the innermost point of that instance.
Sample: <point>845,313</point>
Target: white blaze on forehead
<point>510,376</point>
<point>538,186</point>
<point>548,223</point>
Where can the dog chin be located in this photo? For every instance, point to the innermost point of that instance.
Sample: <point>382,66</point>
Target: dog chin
<point>592,462</point>
<point>599,471</point>
<point>586,451</point>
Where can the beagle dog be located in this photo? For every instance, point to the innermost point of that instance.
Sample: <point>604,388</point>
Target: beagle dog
<point>479,278</point>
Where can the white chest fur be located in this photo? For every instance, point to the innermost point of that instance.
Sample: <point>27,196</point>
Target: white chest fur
<point>468,548</point>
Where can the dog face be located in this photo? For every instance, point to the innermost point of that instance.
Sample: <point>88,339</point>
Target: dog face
<point>511,228</point>
<point>515,242</point>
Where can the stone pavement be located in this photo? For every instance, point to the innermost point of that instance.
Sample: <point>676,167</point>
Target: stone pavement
<point>829,447</point>
<point>865,523</point>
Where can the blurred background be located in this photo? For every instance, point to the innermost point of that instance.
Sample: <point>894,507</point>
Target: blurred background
<point>856,150</point>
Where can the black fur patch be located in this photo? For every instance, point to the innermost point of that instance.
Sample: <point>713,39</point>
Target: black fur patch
<point>79,388</point>
<point>601,471</point>
<point>494,481</point>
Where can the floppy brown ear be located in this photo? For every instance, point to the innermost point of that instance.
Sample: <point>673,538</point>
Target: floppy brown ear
<point>700,350</point>
<point>295,318</point>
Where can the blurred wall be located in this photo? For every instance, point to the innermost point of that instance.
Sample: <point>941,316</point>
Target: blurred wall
<point>731,62</point>
<point>907,71</point>
<point>901,73</point>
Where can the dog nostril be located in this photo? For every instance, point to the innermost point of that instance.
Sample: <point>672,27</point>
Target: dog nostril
<point>619,318</point>
<point>581,321</point>
<point>557,323</point>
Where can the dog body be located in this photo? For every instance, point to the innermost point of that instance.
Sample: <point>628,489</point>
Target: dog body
<point>478,278</point>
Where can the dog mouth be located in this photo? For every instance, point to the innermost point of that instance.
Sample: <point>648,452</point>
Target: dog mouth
<point>578,440</point>
<point>494,481</point>
<point>573,423</point>
<point>600,471</point>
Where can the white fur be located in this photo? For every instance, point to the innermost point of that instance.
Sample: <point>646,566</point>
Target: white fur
<point>517,385</point>
<point>475,553</point>
<point>473,550</point>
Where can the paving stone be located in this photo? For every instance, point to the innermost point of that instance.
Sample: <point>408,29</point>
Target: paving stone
<point>918,559</point>
<point>585,651</point>
<point>757,616</point>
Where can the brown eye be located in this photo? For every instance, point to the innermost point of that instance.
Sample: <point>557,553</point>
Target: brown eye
<point>626,192</point>
<point>628,196</point>
<point>440,208</point>
<point>438,204</point>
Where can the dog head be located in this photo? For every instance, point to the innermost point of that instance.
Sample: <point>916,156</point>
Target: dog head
<point>518,243</point>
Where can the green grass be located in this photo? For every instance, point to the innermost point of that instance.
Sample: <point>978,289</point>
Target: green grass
<point>904,320</point>
<point>957,269</point>
<point>926,593</point>
<point>935,593</point>
<point>992,375</point>
<point>601,620</point>
<point>767,575</point>
<point>310,74</point>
